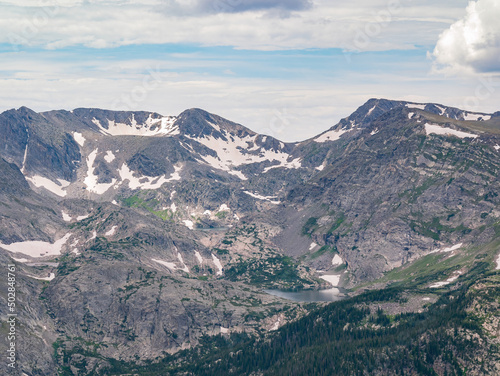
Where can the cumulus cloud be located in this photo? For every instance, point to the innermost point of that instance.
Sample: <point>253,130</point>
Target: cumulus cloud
<point>472,43</point>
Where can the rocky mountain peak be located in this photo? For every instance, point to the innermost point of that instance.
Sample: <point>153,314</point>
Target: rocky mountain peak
<point>199,123</point>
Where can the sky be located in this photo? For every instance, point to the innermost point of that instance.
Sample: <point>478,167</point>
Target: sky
<point>287,68</point>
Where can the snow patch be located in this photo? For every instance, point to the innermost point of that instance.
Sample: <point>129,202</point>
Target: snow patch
<point>152,127</point>
<point>224,330</point>
<point>80,140</point>
<point>189,224</point>
<point>224,207</point>
<point>449,249</point>
<point>447,282</point>
<point>82,217</point>
<point>49,278</point>
<point>23,260</point>
<point>498,263</point>
<point>109,157</point>
<point>198,257</point>
<point>469,116</point>
<point>233,152</point>
<point>497,147</point>
<point>437,129</point>
<point>312,246</point>
<point>320,168</point>
<point>410,115</point>
<point>56,188</point>
<point>337,260</point>
<point>146,182</point>
<point>293,164</point>
<point>265,198</point>
<point>333,279</point>
<point>237,173</point>
<point>416,105</point>
<point>217,264</point>
<point>173,207</point>
<point>112,231</point>
<point>185,268</point>
<point>169,265</point>
<point>276,325</point>
<point>91,180</point>
<point>66,217</point>
<point>331,135</point>
<point>37,248</point>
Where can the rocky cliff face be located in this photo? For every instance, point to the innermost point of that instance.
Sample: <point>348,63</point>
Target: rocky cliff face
<point>136,234</point>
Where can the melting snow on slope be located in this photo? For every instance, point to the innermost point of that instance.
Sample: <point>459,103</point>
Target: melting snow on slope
<point>233,153</point>
<point>265,198</point>
<point>109,157</point>
<point>333,279</point>
<point>56,188</point>
<point>185,268</point>
<point>312,246</point>
<point>189,224</point>
<point>276,325</point>
<point>331,135</point>
<point>49,278</point>
<point>152,127</point>
<point>112,231</point>
<point>447,282</point>
<point>415,105</point>
<point>82,217</point>
<point>37,248</point>
<point>476,117</point>
<point>91,180</point>
<point>410,115</point>
<point>239,174</point>
<point>169,265</point>
<point>337,260</point>
<point>223,207</point>
<point>217,264</point>
<point>437,129</point>
<point>146,182</point>
<point>80,140</point>
<point>66,217</point>
<point>198,257</point>
<point>449,249</point>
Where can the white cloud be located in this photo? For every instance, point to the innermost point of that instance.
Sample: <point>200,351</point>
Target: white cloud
<point>242,24</point>
<point>473,43</point>
<point>232,6</point>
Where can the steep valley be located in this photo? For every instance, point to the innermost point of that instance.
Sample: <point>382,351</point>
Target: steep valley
<point>143,243</point>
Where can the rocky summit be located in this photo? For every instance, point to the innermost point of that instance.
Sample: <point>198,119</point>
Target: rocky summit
<point>137,237</point>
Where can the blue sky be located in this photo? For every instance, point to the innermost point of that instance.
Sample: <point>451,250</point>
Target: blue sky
<point>287,68</point>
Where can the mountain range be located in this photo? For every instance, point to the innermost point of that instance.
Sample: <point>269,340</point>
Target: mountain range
<point>137,236</point>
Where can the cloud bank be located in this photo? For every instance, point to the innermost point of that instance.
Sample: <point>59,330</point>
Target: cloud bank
<point>242,24</point>
<point>471,44</point>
